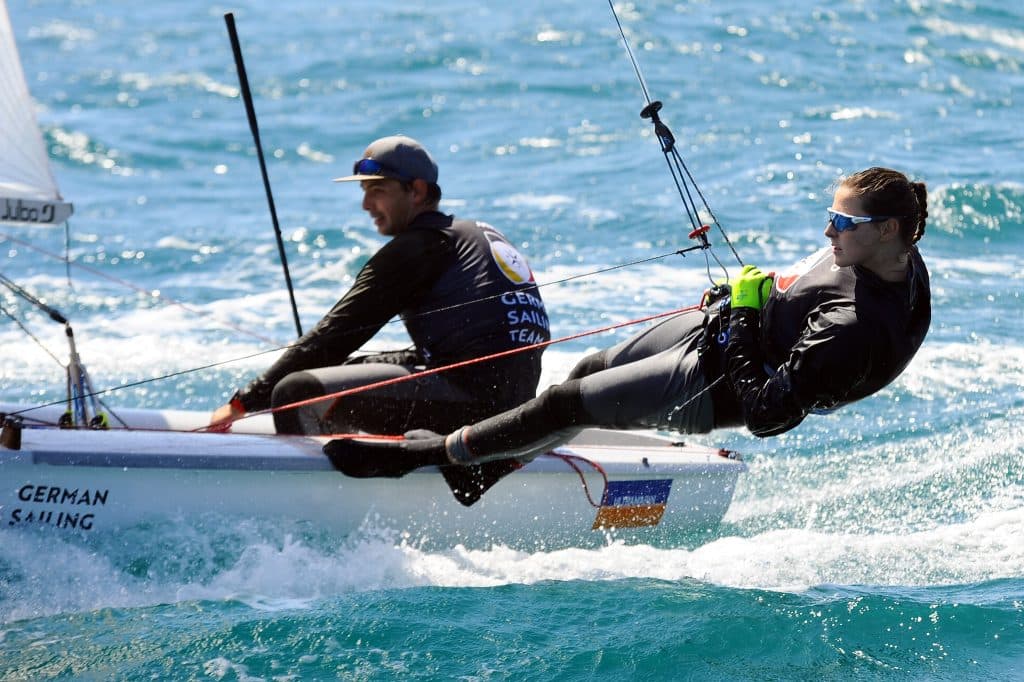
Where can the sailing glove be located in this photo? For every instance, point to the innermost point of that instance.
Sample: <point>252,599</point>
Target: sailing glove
<point>751,288</point>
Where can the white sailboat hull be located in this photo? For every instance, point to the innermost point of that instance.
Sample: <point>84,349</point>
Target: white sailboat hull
<point>89,482</point>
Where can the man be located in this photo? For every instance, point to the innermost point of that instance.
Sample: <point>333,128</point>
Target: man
<point>462,290</point>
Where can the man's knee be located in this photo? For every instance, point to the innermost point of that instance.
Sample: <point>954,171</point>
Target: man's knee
<point>295,387</point>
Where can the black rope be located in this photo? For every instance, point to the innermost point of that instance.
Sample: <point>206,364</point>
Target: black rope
<point>32,336</point>
<point>681,176</point>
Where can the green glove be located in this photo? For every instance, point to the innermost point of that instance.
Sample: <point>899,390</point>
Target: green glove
<point>751,288</point>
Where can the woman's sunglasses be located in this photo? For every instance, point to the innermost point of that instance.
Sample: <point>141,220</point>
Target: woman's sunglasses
<point>843,222</point>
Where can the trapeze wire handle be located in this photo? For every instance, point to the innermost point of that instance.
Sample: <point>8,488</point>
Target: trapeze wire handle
<point>665,136</point>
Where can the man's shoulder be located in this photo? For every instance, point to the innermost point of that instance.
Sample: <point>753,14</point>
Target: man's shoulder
<point>431,220</point>
<point>420,234</point>
<point>415,237</point>
<point>412,246</point>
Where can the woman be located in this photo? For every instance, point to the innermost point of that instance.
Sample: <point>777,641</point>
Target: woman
<point>839,326</point>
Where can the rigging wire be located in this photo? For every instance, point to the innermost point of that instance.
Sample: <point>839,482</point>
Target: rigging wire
<point>67,253</point>
<point>276,344</point>
<point>683,179</point>
<point>78,381</point>
<point>149,380</point>
<point>681,176</point>
<point>629,51</point>
<point>24,293</point>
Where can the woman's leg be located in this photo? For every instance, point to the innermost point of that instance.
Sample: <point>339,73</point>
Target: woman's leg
<point>652,380</point>
<point>650,341</point>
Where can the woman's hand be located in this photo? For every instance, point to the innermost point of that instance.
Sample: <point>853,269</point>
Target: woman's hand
<point>751,288</point>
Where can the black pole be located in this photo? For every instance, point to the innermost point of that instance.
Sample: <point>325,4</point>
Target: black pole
<point>243,81</point>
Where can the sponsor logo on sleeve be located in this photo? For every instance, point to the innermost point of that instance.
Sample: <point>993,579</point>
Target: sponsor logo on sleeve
<point>784,280</point>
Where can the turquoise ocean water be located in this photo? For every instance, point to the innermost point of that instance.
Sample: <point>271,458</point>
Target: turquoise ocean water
<point>884,542</point>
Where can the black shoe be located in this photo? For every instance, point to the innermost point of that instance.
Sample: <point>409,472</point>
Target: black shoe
<point>468,482</point>
<point>384,458</point>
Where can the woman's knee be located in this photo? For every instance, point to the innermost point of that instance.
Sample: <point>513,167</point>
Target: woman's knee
<point>595,362</point>
<point>563,403</point>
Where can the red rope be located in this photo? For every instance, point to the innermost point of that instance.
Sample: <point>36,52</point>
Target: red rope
<point>362,436</point>
<point>568,459</point>
<point>465,363</point>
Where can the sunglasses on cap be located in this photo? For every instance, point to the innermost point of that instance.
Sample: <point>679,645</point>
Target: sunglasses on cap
<point>843,222</point>
<point>374,167</point>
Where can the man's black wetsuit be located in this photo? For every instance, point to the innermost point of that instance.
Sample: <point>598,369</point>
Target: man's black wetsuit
<point>463,292</point>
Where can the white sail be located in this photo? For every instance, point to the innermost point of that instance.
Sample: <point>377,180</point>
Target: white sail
<point>28,190</point>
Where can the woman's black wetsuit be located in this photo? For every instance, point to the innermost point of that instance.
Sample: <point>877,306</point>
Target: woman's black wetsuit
<point>827,336</point>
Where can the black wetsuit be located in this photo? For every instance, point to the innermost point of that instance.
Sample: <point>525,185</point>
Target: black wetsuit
<point>462,291</point>
<point>829,336</point>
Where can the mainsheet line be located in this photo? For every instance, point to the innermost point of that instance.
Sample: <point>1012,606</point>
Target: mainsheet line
<point>435,370</point>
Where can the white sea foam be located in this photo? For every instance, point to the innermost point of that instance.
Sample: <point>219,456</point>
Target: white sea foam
<point>289,573</point>
<point>987,547</point>
<point>1003,37</point>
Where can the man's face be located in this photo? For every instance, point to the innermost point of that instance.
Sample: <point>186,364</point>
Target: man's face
<point>391,204</point>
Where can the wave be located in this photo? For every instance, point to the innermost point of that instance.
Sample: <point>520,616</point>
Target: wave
<point>252,563</point>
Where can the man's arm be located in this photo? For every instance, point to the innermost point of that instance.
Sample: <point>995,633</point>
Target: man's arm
<point>404,268</point>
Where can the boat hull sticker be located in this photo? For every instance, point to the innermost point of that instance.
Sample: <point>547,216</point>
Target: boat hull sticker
<point>632,504</point>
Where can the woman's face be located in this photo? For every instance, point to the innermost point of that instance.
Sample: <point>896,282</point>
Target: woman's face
<point>862,244</point>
